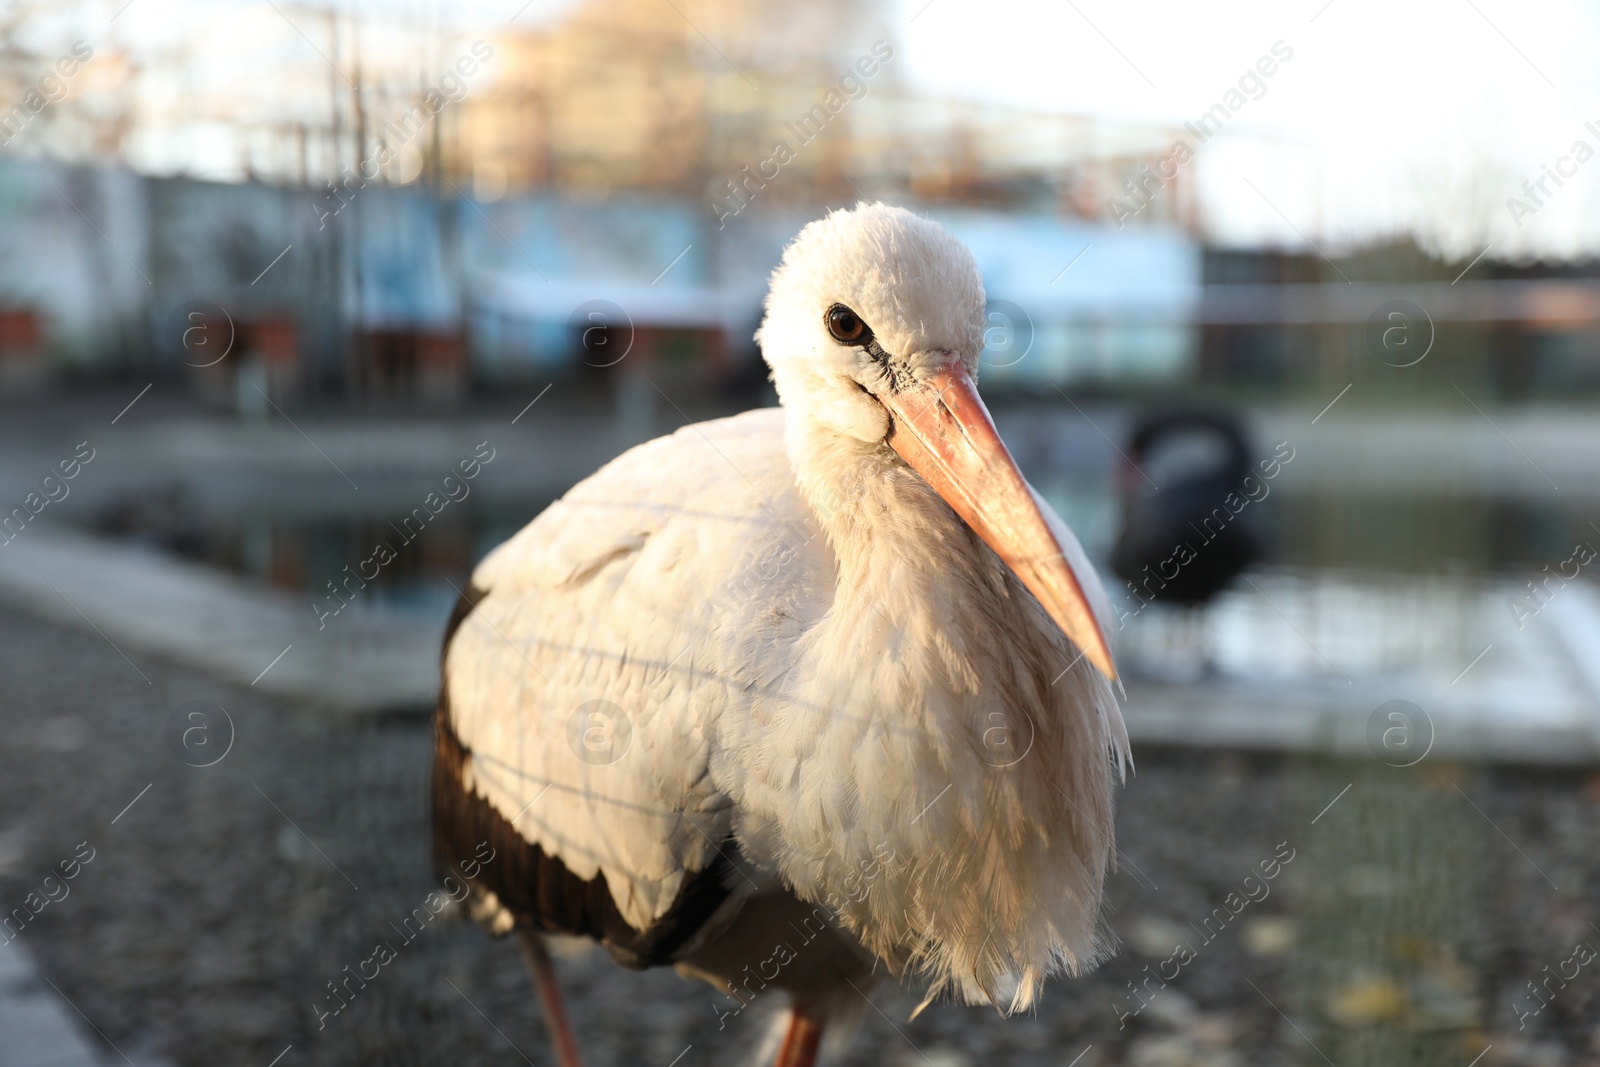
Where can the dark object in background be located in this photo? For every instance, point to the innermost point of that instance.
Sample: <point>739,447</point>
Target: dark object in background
<point>162,517</point>
<point>1183,466</point>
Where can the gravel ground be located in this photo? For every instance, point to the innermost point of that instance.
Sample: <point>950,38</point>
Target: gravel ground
<point>1401,926</point>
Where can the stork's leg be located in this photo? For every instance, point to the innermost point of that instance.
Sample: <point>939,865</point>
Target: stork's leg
<point>555,1010</point>
<point>800,1044</point>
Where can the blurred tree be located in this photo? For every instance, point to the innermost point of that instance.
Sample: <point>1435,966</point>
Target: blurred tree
<point>63,93</point>
<point>689,99</point>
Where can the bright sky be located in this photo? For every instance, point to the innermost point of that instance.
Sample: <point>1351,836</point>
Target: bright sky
<point>1392,114</point>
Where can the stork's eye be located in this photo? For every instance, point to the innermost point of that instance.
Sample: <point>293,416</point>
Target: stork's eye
<point>846,327</point>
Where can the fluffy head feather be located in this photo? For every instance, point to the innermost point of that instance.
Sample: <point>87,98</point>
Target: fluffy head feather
<point>914,284</point>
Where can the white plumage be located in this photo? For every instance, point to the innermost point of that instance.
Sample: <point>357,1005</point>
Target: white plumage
<point>807,664</point>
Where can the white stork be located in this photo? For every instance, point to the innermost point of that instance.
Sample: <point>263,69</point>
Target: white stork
<point>803,696</point>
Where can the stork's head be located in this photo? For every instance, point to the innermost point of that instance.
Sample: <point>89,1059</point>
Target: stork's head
<point>873,328</point>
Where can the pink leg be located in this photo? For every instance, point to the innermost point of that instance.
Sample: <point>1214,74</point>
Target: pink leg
<point>555,1011</point>
<point>800,1044</point>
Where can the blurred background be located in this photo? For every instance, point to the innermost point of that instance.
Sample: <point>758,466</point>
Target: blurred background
<point>1308,290</point>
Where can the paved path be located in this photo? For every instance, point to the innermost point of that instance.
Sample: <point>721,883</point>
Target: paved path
<point>140,599</point>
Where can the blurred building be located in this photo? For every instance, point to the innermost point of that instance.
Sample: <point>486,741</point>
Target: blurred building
<point>398,210</point>
<point>734,104</point>
<point>422,294</point>
<point>1272,322</point>
<point>406,210</point>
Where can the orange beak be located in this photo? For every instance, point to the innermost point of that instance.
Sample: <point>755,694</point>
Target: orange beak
<point>945,433</point>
